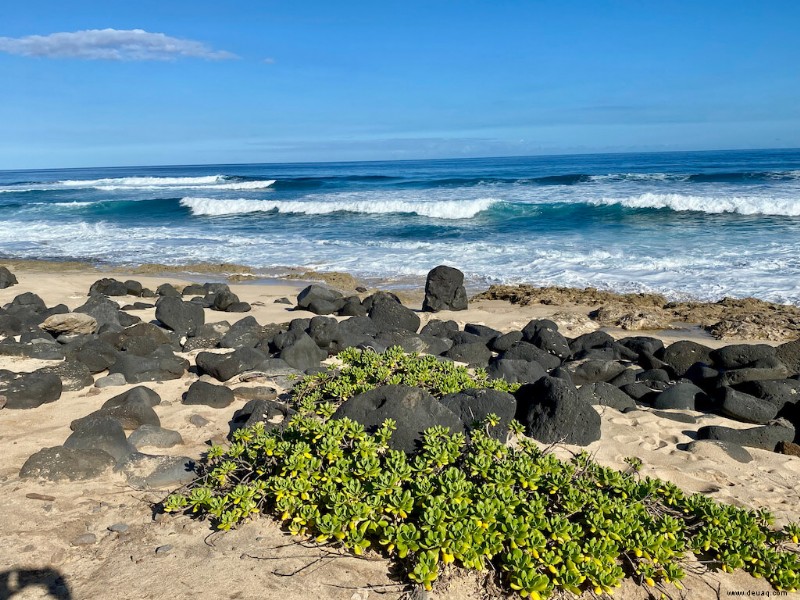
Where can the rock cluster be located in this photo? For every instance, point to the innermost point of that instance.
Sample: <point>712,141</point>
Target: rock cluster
<point>565,380</point>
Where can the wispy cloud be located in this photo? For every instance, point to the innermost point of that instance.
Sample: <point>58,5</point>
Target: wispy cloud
<point>110,44</point>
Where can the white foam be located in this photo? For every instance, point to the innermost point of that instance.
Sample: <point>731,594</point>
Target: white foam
<point>143,181</point>
<point>441,209</point>
<point>743,205</point>
<point>237,186</point>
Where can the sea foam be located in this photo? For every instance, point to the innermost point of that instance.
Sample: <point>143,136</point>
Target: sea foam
<point>743,205</point>
<point>442,209</point>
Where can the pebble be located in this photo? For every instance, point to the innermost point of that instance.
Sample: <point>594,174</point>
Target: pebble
<point>44,497</point>
<point>119,527</point>
<point>165,549</point>
<point>87,539</point>
<point>198,420</point>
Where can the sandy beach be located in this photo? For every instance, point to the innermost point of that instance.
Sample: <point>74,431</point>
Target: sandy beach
<point>150,555</point>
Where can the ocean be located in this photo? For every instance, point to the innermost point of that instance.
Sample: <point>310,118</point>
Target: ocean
<point>697,225</point>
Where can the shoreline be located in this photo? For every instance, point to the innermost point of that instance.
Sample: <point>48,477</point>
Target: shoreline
<point>729,319</point>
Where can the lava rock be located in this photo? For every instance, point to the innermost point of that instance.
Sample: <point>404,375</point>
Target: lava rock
<point>104,310</point>
<point>74,375</point>
<point>108,287</point>
<point>712,449</point>
<point>138,369</point>
<point>546,338</point>
<point>95,354</point>
<point>605,394</point>
<point>780,392</point>
<point>475,354</point>
<point>154,436</point>
<point>59,463</point>
<point>208,394</point>
<point>505,341</point>
<point>323,330</point>
<point>766,437</point>
<point>113,380</point>
<point>474,405</point>
<point>684,396</point>
<point>515,371</point>
<point>100,432</point>
<point>529,352</point>
<point>738,356</point>
<point>444,290</point>
<point>223,367</point>
<point>146,472</point>
<point>413,409</point>
<point>744,407</point>
<point>29,390</point>
<point>179,316</point>
<point>739,376</point>
<point>593,371</point>
<point>389,315</point>
<point>320,300</point>
<point>789,355</point>
<point>552,412</point>
<point>272,414</point>
<point>682,355</point>
<point>303,353</point>
<point>7,278</point>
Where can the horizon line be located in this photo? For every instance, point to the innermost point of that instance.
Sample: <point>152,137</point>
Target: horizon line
<point>404,160</point>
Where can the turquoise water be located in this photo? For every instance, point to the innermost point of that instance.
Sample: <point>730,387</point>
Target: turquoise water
<point>701,224</point>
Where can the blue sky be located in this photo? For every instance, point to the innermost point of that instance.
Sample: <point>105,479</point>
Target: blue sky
<point>269,81</point>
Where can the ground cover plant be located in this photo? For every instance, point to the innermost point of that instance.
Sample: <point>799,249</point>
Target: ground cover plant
<point>543,523</point>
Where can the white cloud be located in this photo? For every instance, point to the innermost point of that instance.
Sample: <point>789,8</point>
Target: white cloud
<point>110,44</point>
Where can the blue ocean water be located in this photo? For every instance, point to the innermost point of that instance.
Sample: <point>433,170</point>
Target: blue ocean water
<point>692,225</point>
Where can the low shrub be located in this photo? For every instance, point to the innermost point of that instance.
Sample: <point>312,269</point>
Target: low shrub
<point>545,524</point>
<point>364,370</point>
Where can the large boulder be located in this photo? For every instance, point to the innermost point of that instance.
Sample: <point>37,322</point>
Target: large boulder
<point>789,355</point>
<point>70,323</point>
<point>515,371</point>
<point>738,356</point>
<point>389,315</point>
<point>223,367</point>
<point>208,394</point>
<point>780,392</point>
<point>413,409</point>
<point>474,405</point>
<point>60,463</point>
<point>605,394</point>
<point>744,407</point>
<point>179,316</point>
<point>7,278</point>
<point>155,437</point>
<point>29,390</point>
<point>320,300</point>
<point>303,353</point>
<point>100,432</point>
<point>138,369</point>
<point>109,287</point>
<point>97,355</point>
<point>444,290</point>
<point>683,354</point>
<point>475,354</point>
<point>74,375</point>
<point>104,310</point>
<point>552,412</point>
<point>766,437</point>
<point>530,353</point>
<point>684,396</point>
<point>592,370</point>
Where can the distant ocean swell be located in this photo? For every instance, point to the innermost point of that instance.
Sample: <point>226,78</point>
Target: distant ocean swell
<point>698,225</point>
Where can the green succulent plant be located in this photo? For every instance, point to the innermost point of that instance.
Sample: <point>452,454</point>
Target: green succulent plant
<point>545,524</point>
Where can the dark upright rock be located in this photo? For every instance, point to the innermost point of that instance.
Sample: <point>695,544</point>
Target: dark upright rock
<point>444,290</point>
